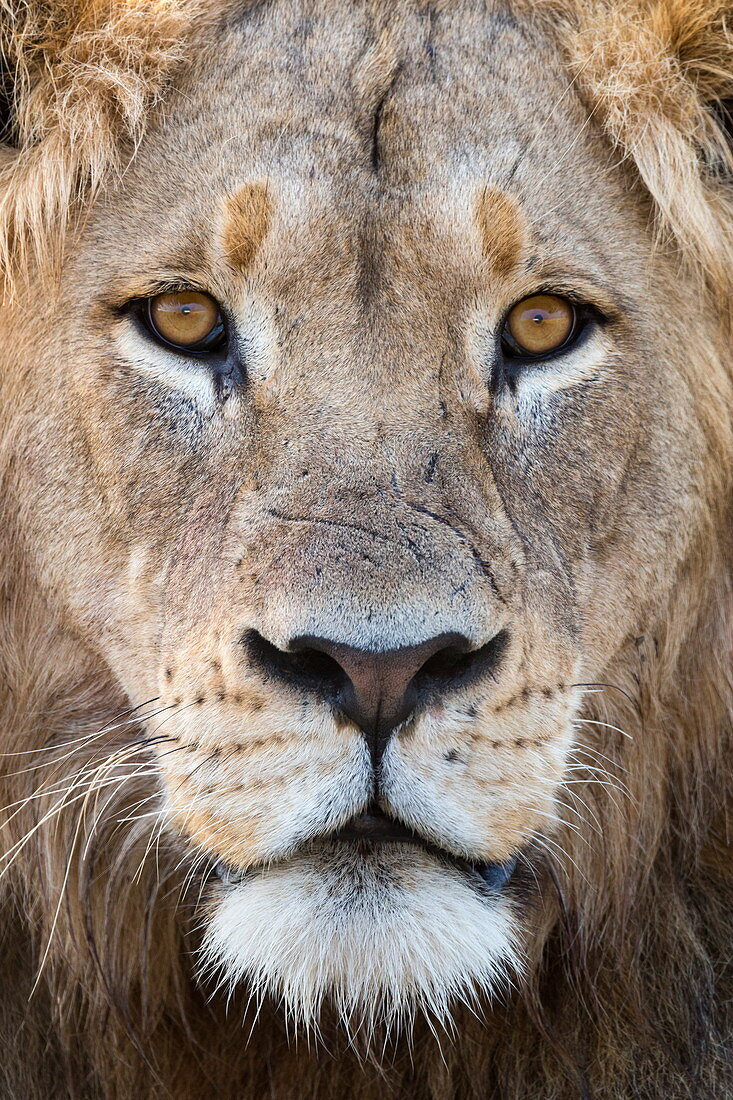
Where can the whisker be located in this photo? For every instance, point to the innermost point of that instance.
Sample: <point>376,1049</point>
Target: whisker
<point>91,775</point>
<point>84,737</point>
<point>13,852</point>
<point>550,844</point>
<point>582,767</point>
<point>45,789</point>
<point>613,687</point>
<point>558,820</point>
<point>606,725</point>
<point>595,824</point>
<point>99,778</point>
<point>594,753</point>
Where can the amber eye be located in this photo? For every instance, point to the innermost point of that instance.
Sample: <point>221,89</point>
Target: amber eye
<point>539,325</point>
<point>186,320</point>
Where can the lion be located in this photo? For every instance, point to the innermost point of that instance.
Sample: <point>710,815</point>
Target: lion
<point>366,650</point>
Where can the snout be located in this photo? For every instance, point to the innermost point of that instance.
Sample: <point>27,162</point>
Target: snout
<point>383,665</point>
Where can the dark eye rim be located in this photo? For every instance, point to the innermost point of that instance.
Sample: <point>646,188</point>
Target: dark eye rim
<point>214,343</point>
<point>583,317</point>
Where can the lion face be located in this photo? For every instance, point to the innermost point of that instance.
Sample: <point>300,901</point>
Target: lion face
<point>358,559</point>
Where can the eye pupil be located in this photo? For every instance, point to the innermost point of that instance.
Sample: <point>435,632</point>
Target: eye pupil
<point>539,325</point>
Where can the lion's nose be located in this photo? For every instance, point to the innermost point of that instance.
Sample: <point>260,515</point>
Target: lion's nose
<point>378,690</point>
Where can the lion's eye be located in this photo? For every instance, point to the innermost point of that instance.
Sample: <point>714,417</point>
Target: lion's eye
<point>187,320</point>
<point>538,326</point>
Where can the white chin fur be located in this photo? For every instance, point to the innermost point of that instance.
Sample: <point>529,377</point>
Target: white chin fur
<point>379,934</point>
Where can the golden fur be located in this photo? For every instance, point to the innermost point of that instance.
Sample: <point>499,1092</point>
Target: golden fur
<point>628,905</point>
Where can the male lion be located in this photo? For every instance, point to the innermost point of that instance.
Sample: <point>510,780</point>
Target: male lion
<point>366,517</point>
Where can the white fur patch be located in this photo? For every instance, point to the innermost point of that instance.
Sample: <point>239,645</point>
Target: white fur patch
<point>590,362</point>
<point>191,378</point>
<point>379,933</point>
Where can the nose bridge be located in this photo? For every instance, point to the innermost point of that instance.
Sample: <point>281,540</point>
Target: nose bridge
<point>377,568</point>
<point>378,538</point>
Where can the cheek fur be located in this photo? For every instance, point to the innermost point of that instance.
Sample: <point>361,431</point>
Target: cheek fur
<point>251,790</point>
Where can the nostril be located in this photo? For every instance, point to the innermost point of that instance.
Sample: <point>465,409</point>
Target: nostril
<point>456,665</point>
<point>304,667</point>
<point>377,690</point>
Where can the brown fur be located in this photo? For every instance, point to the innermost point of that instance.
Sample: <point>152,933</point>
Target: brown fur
<point>502,231</point>
<point>248,219</point>
<point>653,73</point>
<point>628,917</point>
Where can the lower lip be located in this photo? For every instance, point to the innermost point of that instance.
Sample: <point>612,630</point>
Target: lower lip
<point>494,876</point>
<point>375,827</point>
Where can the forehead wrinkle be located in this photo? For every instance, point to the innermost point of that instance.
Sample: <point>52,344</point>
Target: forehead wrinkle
<point>248,214</point>
<point>503,230</point>
<point>377,70</point>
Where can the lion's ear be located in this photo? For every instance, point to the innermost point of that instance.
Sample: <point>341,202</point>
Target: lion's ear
<point>77,78</point>
<point>658,76</point>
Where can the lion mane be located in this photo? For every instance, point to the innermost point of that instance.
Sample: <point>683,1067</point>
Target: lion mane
<point>631,987</point>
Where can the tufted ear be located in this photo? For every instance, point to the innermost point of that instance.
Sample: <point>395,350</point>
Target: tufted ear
<point>77,78</point>
<point>658,76</point>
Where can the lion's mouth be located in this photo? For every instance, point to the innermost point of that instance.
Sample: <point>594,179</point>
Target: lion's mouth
<point>373,826</point>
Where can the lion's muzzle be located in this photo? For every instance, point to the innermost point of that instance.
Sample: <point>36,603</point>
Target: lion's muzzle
<point>370,723</point>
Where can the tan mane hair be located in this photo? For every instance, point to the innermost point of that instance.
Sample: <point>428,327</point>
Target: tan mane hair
<point>641,910</point>
<point>80,77</point>
<point>656,75</point>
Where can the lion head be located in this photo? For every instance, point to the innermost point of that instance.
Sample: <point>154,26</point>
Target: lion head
<point>366,460</point>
